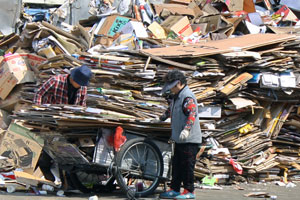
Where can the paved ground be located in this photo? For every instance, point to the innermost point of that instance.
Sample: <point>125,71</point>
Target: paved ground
<point>228,192</point>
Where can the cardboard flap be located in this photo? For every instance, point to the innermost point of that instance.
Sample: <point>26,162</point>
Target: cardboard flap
<point>28,179</point>
<point>241,102</point>
<point>243,78</point>
<point>179,9</point>
<point>249,6</point>
<point>288,15</point>
<point>110,25</point>
<point>235,5</point>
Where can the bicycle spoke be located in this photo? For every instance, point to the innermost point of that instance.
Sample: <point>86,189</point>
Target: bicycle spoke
<point>132,157</point>
<point>137,152</point>
<point>143,161</point>
<point>128,173</point>
<point>130,164</point>
<point>145,148</point>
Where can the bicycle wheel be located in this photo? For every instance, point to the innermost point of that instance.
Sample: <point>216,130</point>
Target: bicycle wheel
<point>139,167</point>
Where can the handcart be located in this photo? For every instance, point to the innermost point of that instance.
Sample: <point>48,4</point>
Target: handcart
<point>141,164</point>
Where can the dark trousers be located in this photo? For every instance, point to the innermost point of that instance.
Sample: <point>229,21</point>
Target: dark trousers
<point>183,165</point>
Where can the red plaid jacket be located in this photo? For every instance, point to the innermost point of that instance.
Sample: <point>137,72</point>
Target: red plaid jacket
<point>55,91</point>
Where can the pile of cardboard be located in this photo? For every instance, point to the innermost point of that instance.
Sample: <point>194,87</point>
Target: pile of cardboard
<point>247,86</point>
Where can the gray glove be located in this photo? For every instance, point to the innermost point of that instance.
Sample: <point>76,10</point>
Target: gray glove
<point>184,134</point>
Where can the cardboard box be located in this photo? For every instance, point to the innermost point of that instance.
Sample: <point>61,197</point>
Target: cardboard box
<point>202,27</point>
<point>33,60</point>
<point>213,22</point>
<point>110,25</point>
<point>15,69</point>
<point>175,9</point>
<point>178,24</point>
<point>16,65</point>
<point>157,31</point>
<point>21,146</point>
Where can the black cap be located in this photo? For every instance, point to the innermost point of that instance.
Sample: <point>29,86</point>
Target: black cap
<point>81,75</point>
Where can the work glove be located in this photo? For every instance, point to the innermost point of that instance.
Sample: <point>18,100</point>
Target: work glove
<point>184,134</point>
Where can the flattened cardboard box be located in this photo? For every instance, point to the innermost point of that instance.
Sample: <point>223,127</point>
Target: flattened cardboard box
<point>28,179</point>
<point>236,83</point>
<point>176,9</point>
<point>235,5</point>
<point>245,42</point>
<point>8,104</point>
<point>181,1</point>
<point>8,82</point>
<point>21,146</point>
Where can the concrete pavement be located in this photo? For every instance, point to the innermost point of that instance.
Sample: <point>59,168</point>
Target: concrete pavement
<point>233,192</point>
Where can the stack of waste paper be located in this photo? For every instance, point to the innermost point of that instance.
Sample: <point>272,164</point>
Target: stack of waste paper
<point>241,60</point>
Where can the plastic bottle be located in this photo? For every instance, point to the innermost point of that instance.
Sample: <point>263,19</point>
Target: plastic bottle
<point>157,19</point>
<point>137,13</point>
<point>60,193</point>
<point>148,10</point>
<point>47,187</point>
<point>93,198</point>
<point>10,189</point>
<point>145,16</point>
<point>273,197</point>
<point>43,192</point>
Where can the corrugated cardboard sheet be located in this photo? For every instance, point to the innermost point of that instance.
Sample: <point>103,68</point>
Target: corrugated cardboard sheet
<point>221,46</point>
